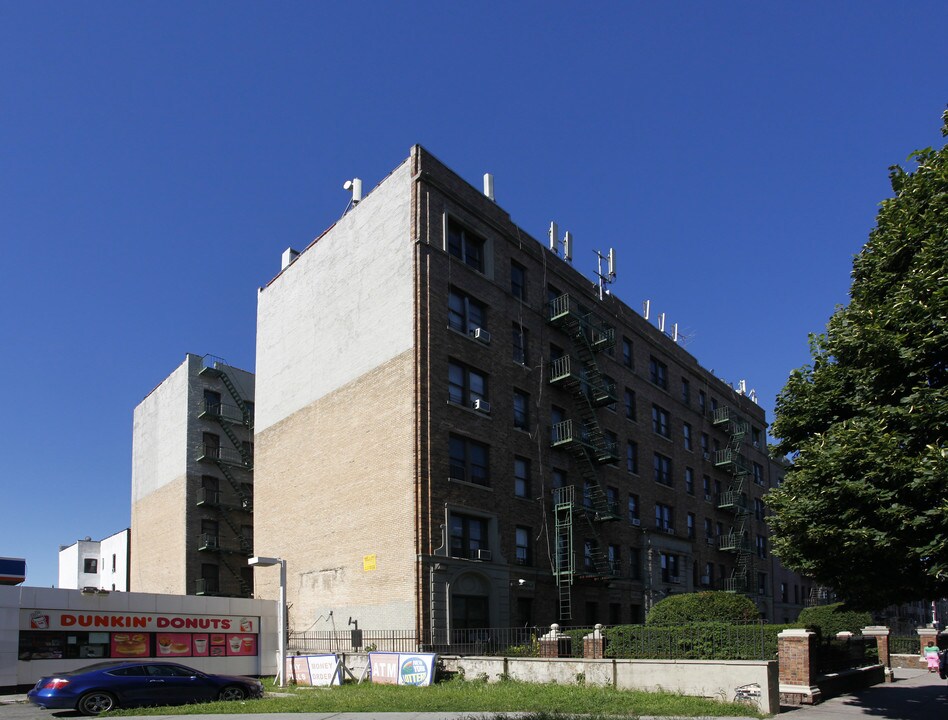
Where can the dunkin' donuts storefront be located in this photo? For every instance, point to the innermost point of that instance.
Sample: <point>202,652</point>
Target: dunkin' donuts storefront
<point>44,630</point>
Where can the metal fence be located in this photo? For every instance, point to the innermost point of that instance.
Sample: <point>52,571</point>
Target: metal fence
<point>842,654</point>
<point>905,645</point>
<point>714,641</point>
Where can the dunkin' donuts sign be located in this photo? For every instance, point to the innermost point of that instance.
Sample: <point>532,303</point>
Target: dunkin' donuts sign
<point>146,622</point>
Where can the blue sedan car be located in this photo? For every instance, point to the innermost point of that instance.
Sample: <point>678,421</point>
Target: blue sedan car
<point>105,686</point>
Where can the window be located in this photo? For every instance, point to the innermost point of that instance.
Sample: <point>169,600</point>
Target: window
<point>469,460</point>
<point>521,477</point>
<point>762,584</point>
<point>717,488</point>
<point>632,457</point>
<point>212,402</point>
<point>761,546</point>
<point>627,353</point>
<point>658,372</point>
<point>210,577</point>
<point>612,498</point>
<point>702,402</point>
<point>519,335</point>
<point>708,579</point>
<point>663,517</point>
<point>662,467</point>
<point>556,352</point>
<point>552,293</point>
<point>708,531</point>
<point>783,592</point>
<point>210,490</point>
<point>212,445</point>
<point>588,563</point>
<point>465,314</point>
<point>689,481</point>
<point>468,536</point>
<point>755,436</point>
<point>686,432</point>
<point>660,421</point>
<point>559,478</point>
<point>634,509</point>
<point>758,509</point>
<point>465,385</point>
<point>210,533</point>
<point>691,526</point>
<point>635,563</point>
<point>719,527</point>
<point>609,385</point>
<point>557,417</point>
<point>465,245</point>
<point>630,404</point>
<point>613,555</point>
<point>114,560</point>
<point>518,280</point>
<point>758,473</point>
<point>685,391</point>
<point>706,446</point>
<point>670,568</point>
<point>612,446</point>
<point>523,552</point>
<point>521,410</point>
<point>588,486</point>
<point>90,566</point>
<point>706,486</point>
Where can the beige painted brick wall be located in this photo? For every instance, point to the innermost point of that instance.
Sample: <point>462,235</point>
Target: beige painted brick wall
<point>158,540</point>
<point>334,482</point>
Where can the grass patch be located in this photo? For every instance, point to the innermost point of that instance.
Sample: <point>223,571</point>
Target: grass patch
<point>546,701</point>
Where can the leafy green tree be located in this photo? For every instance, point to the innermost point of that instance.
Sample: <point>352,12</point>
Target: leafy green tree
<point>703,607</point>
<point>864,506</point>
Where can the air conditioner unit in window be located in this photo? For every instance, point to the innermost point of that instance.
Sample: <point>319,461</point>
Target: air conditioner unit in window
<point>483,555</point>
<point>669,530</point>
<point>705,580</point>
<point>711,541</point>
<point>636,522</point>
<point>481,334</point>
<point>482,406</point>
<point>707,496</point>
<point>707,456</point>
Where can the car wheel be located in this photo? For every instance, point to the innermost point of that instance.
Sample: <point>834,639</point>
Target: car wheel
<point>96,702</point>
<point>232,692</point>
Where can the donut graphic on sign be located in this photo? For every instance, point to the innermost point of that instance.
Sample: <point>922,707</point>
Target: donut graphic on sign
<point>414,671</point>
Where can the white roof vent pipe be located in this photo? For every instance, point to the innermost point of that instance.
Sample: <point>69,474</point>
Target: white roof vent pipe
<point>289,255</point>
<point>489,186</point>
<point>355,185</point>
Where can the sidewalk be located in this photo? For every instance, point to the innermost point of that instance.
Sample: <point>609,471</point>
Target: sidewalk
<point>915,695</point>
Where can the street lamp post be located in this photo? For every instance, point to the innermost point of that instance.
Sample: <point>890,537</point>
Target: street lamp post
<point>258,561</point>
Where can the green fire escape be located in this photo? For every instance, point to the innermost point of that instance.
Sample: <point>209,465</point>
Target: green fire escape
<point>239,457</point>
<point>734,499</point>
<point>585,440</point>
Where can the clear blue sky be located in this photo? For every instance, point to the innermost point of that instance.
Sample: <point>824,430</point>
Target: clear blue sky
<point>157,157</point>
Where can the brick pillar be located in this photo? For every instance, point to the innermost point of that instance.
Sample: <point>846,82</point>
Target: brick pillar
<point>594,644</point>
<point>555,644</point>
<point>796,653</point>
<point>881,634</point>
<point>926,636</point>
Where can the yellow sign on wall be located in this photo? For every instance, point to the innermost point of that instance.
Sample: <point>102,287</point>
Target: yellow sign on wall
<point>368,562</point>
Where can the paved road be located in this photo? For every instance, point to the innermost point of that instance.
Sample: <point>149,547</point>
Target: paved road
<point>915,695</point>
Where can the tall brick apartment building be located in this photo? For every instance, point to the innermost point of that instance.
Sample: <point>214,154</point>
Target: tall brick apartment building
<point>192,482</point>
<point>453,430</point>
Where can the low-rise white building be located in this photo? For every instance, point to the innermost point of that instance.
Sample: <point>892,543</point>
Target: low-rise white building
<point>100,564</point>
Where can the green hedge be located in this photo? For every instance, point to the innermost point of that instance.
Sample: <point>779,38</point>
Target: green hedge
<point>828,620</point>
<point>709,606</point>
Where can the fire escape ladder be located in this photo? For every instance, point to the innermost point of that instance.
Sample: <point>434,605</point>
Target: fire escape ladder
<point>733,499</point>
<point>246,501</point>
<point>245,588</point>
<point>214,367</point>
<point>563,562</point>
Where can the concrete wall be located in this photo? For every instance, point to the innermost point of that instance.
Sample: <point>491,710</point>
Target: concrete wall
<point>716,679</point>
<point>343,308</point>
<point>114,546</point>
<point>335,431</point>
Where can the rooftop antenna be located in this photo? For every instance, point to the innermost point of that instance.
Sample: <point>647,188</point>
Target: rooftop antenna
<point>610,275</point>
<point>489,186</point>
<point>355,185</point>
<point>566,242</point>
<point>661,322</point>
<point>646,306</point>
